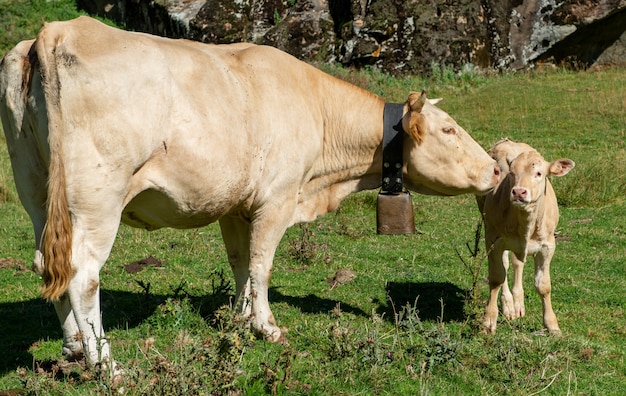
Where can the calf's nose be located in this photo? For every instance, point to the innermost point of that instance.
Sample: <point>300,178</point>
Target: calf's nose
<point>519,194</point>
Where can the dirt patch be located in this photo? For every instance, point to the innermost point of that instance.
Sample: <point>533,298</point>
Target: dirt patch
<point>13,264</point>
<point>139,265</point>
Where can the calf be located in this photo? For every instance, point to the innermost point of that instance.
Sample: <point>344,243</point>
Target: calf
<point>520,217</point>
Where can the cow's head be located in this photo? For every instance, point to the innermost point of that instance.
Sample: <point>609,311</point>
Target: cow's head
<point>440,157</point>
<point>528,173</point>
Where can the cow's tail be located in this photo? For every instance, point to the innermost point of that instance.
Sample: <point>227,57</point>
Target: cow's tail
<point>57,247</point>
<point>57,235</point>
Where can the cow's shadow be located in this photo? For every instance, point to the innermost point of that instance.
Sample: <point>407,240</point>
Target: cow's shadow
<point>23,324</point>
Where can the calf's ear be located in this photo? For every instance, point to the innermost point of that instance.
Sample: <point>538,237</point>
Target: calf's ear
<point>561,166</point>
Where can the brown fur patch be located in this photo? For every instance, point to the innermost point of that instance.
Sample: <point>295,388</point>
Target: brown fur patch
<point>92,289</point>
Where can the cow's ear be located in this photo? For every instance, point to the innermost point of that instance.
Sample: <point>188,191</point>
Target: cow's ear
<point>414,122</point>
<point>435,101</point>
<point>561,166</point>
<point>416,101</point>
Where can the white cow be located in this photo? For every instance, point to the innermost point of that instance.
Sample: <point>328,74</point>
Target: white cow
<point>104,125</point>
<point>521,215</point>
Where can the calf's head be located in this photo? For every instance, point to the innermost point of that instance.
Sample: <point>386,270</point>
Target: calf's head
<point>441,158</point>
<point>528,173</point>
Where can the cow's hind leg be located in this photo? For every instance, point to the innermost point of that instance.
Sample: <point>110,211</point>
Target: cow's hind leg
<point>72,337</point>
<point>93,238</point>
<point>236,236</point>
<point>30,181</point>
<point>72,343</point>
<point>544,288</point>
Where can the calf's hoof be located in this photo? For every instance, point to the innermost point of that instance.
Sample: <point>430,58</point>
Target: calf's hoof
<point>556,332</point>
<point>489,327</point>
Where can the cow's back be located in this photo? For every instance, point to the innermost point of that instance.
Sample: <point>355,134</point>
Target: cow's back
<point>156,120</point>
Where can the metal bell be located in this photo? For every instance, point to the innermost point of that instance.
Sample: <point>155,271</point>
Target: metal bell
<point>394,213</point>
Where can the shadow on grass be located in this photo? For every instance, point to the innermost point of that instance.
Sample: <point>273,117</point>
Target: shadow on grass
<point>431,299</point>
<point>23,324</point>
<point>427,297</point>
<point>312,303</point>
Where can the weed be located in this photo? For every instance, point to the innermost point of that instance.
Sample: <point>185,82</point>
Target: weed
<point>204,361</point>
<point>303,249</point>
<point>473,307</point>
<point>446,75</point>
<point>277,17</point>
<point>276,376</point>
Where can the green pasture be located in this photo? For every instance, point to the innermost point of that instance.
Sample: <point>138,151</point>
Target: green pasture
<point>408,323</point>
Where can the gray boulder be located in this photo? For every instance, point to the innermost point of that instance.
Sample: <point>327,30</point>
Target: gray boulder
<point>398,36</point>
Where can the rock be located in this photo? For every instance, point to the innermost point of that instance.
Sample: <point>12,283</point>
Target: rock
<point>398,36</point>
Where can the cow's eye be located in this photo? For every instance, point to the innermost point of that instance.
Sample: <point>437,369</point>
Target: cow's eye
<point>449,130</point>
<point>538,174</point>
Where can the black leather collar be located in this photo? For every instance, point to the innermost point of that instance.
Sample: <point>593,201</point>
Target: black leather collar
<point>393,136</point>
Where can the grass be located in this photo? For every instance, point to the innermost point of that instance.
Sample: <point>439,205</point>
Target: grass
<point>407,323</point>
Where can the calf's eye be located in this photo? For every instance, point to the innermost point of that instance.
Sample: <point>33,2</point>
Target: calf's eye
<point>449,130</point>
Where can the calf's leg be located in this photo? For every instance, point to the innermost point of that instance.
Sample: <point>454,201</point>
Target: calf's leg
<point>514,308</point>
<point>497,278</point>
<point>544,288</point>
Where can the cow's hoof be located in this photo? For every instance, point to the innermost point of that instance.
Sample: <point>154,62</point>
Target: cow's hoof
<point>73,354</point>
<point>277,336</point>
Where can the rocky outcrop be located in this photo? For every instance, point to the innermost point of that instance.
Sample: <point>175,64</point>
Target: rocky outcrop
<point>399,36</point>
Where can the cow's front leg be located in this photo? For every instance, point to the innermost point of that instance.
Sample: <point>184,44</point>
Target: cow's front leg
<point>544,288</point>
<point>267,228</point>
<point>236,235</point>
<point>497,278</point>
